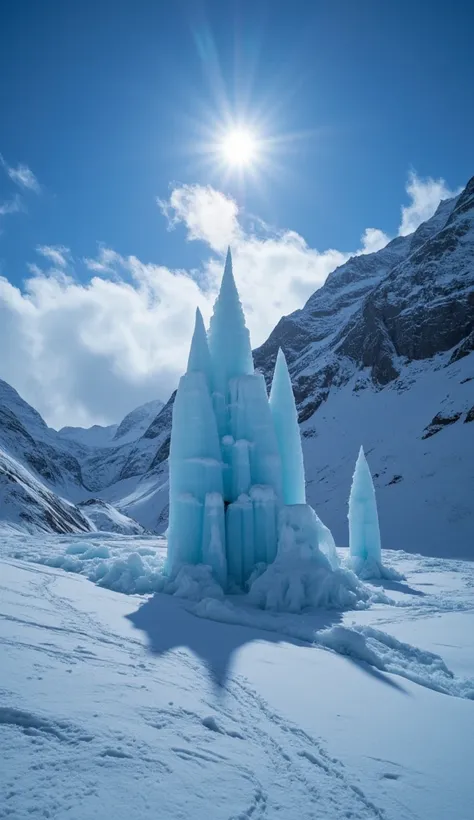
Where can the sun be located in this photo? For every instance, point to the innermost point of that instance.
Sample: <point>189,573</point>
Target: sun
<point>239,148</point>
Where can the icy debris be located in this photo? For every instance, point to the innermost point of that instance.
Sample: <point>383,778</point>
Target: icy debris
<point>301,576</point>
<point>364,644</point>
<point>384,652</point>
<point>370,570</point>
<point>112,566</point>
<point>194,582</point>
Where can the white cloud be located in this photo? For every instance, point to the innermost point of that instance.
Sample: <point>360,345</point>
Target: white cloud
<point>21,176</point>
<point>425,194</point>
<point>373,239</point>
<point>11,206</point>
<point>86,353</point>
<point>57,254</point>
<point>105,262</point>
<point>208,214</point>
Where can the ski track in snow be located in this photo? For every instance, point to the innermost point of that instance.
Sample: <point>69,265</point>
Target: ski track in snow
<point>278,765</point>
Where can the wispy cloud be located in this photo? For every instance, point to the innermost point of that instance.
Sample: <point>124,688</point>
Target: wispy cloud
<point>57,254</point>
<point>11,206</point>
<point>21,175</point>
<point>105,261</point>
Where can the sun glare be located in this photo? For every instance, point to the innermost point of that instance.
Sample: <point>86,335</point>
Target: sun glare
<point>239,148</point>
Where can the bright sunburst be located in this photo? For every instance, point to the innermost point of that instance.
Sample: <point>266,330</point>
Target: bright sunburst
<point>239,148</point>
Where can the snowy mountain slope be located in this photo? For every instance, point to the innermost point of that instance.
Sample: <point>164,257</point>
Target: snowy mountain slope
<point>27,504</point>
<point>27,438</point>
<point>68,466</point>
<point>110,704</point>
<point>107,518</point>
<point>423,471</point>
<point>137,422</point>
<point>143,498</point>
<point>95,436</point>
<point>376,369</point>
<point>104,470</point>
<point>132,426</point>
<point>346,324</point>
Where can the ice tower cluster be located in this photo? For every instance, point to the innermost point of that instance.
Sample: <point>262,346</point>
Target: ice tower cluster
<point>235,456</point>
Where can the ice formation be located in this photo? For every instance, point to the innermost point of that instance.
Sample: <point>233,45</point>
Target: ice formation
<point>302,575</point>
<point>364,532</point>
<point>237,484</point>
<point>285,417</point>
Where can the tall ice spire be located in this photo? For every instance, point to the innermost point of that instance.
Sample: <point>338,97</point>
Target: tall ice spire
<point>199,360</point>
<point>229,339</point>
<point>285,418</point>
<point>364,532</point>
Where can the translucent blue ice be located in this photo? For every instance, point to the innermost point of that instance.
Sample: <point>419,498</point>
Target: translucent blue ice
<point>364,532</point>
<point>229,342</point>
<point>250,420</point>
<point>213,537</point>
<point>235,457</point>
<point>285,419</point>
<point>195,458</point>
<point>199,360</point>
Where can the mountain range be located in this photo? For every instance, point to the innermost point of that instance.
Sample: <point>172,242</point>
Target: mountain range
<point>380,355</point>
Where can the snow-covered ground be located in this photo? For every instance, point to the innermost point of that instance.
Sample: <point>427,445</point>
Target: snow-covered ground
<point>134,707</point>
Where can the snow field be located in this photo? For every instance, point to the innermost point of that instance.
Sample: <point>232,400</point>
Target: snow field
<point>326,604</point>
<point>123,705</point>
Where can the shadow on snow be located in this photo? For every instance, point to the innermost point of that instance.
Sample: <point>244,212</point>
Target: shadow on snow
<point>168,623</point>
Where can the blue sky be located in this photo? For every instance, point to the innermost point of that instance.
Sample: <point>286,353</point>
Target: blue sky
<point>111,106</point>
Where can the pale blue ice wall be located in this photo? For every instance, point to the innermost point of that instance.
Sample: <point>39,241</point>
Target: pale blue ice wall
<point>364,532</point>
<point>285,418</point>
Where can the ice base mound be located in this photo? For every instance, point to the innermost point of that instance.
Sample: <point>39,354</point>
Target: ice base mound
<point>369,569</point>
<point>305,573</point>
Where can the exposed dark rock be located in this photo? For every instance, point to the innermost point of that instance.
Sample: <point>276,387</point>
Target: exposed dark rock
<point>161,454</point>
<point>445,420</point>
<point>469,415</point>
<point>438,422</point>
<point>162,421</point>
<point>466,346</point>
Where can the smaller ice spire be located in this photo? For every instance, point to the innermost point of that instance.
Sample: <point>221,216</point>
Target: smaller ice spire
<point>364,532</point>
<point>285,418</point>
<point>199,360</point>
<point>229,339</point>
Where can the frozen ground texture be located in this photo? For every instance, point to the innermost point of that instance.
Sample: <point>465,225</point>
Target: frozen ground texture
<point>123,706</point>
